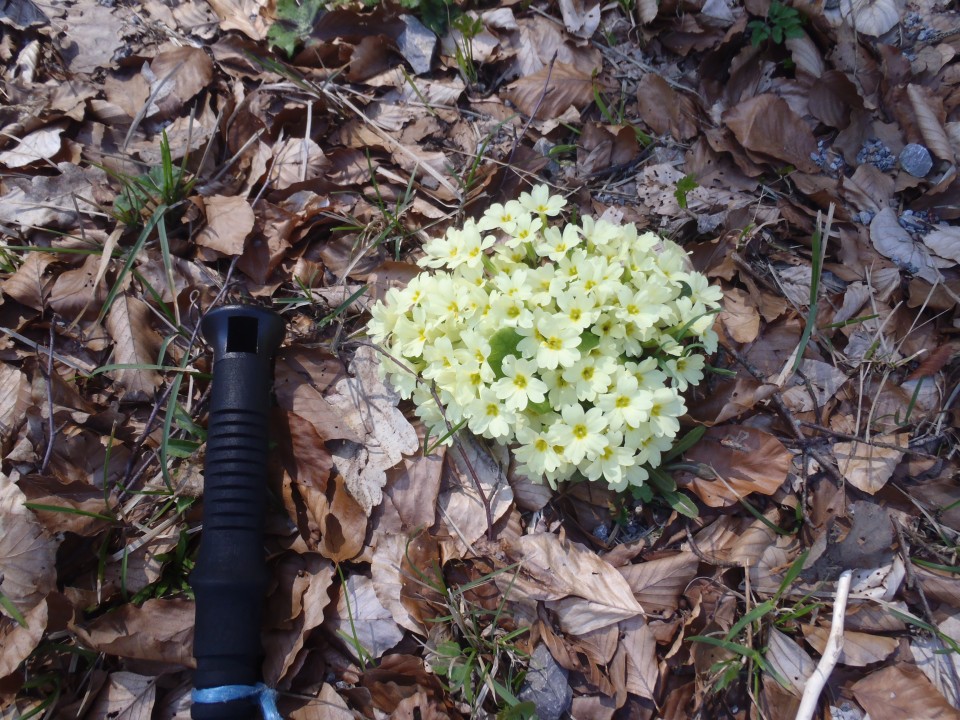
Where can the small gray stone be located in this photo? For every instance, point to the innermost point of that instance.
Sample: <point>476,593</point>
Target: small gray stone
<point>916,160</point>
<point>546,685</point>
<point>417,44</point>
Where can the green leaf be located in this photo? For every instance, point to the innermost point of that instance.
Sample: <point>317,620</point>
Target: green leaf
<point>687,442</point>
<point>503,342</point>
<point>682,504</point>
<point>588,341</point>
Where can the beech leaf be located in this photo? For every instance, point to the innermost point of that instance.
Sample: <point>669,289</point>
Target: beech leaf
<point>551,90</point>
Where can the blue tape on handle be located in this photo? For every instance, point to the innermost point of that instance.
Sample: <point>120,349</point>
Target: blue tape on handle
<point>226,693</point>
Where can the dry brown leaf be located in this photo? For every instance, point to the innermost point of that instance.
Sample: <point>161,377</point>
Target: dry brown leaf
<point>370,409</point>
<point>581,17</point>
<point>459,503</point>
<point>126,696</point>
<point>928,110</point>
<point>27,554</point>
<point>664,109</point>
<point>647,10</point>
<point>296,160</point>
<point>385,571</point>
<point>242,15</point>
<point>13,399</point>
<point>740,316</point>
<point>92,33</point>
<point>551,90</point>
<point>766,124</point>
<point>539,40</point>
<point>27,285</point>
<point>657,185</point>
<point>868,467</point>
<point>39,145</point>
<point>892,241</point>
<point>940,668</point>
<point>51,201</point>
<point>175,77</point>
<point>859,649</point>
<point>412,489</point>
<point>366,622</point>
<point>230,220</point>
<point>160,630</point>
<point>328,706</point>
<point>309,405</point>
<point>343,527</point>
<point>902,691</point>
<point>805,54</point>
<point>659,584</point>
<point>823,379</point>
<point>748,459</point>
<point>135,343</point>
<point>790,660</point>
<point>294,610</point>
<point>871,17</point>
<point>552,569</point>
<point>945,242</point>
<point>18,641</point>
<point>641,648</point>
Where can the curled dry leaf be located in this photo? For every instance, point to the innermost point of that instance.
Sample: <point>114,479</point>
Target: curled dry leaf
<point>242,15</point>
<point>175,77</point>
<point>664,109</point>
<point>928,110</point>
<point>805,55</point>
<point>126,696</point>
<point>945,242</point>
<point>27,554</point>
<point>19,641</point>
<point>386,572</point>
<point>892,241</point>
<point>581,18</point>
<point>745,459</point>
<point>294,610</point>
<point>361,620</point>
<point>551,90</point>
<point>39,145</point>
<point>859,649</point>
<point>370,409</point>
<point>866,466</point>
<point>552,569</point>
<point>160,630</point>
<point>229,221</point>
<point>135,344</point>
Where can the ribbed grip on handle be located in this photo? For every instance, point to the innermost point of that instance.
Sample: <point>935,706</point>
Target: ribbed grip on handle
<point>230,578</point>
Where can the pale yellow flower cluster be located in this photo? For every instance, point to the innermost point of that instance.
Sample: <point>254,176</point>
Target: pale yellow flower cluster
<point>572,343</point>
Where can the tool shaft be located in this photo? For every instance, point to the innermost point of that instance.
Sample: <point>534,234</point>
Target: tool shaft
<point>230,577</point>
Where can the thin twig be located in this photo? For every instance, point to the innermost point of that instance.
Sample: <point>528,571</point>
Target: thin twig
<point>874,443</point>
<point>825,463</point>
<point>831,653</point>
<point>51,428</point>
<point>709,561</point>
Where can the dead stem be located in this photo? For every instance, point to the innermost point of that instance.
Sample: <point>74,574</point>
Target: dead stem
<point>48,377</point>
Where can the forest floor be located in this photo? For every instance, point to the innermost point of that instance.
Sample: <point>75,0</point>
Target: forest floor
<point>159,159</point>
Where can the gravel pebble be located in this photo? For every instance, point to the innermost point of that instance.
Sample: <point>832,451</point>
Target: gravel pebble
<point>916,160</point>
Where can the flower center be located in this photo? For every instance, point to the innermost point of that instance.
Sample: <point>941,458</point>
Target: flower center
<point>623,401</point>
<point>554,343</point>
<point>580,431</point>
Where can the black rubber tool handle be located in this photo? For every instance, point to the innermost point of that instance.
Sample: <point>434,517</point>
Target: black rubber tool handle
<point>230,577</point>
